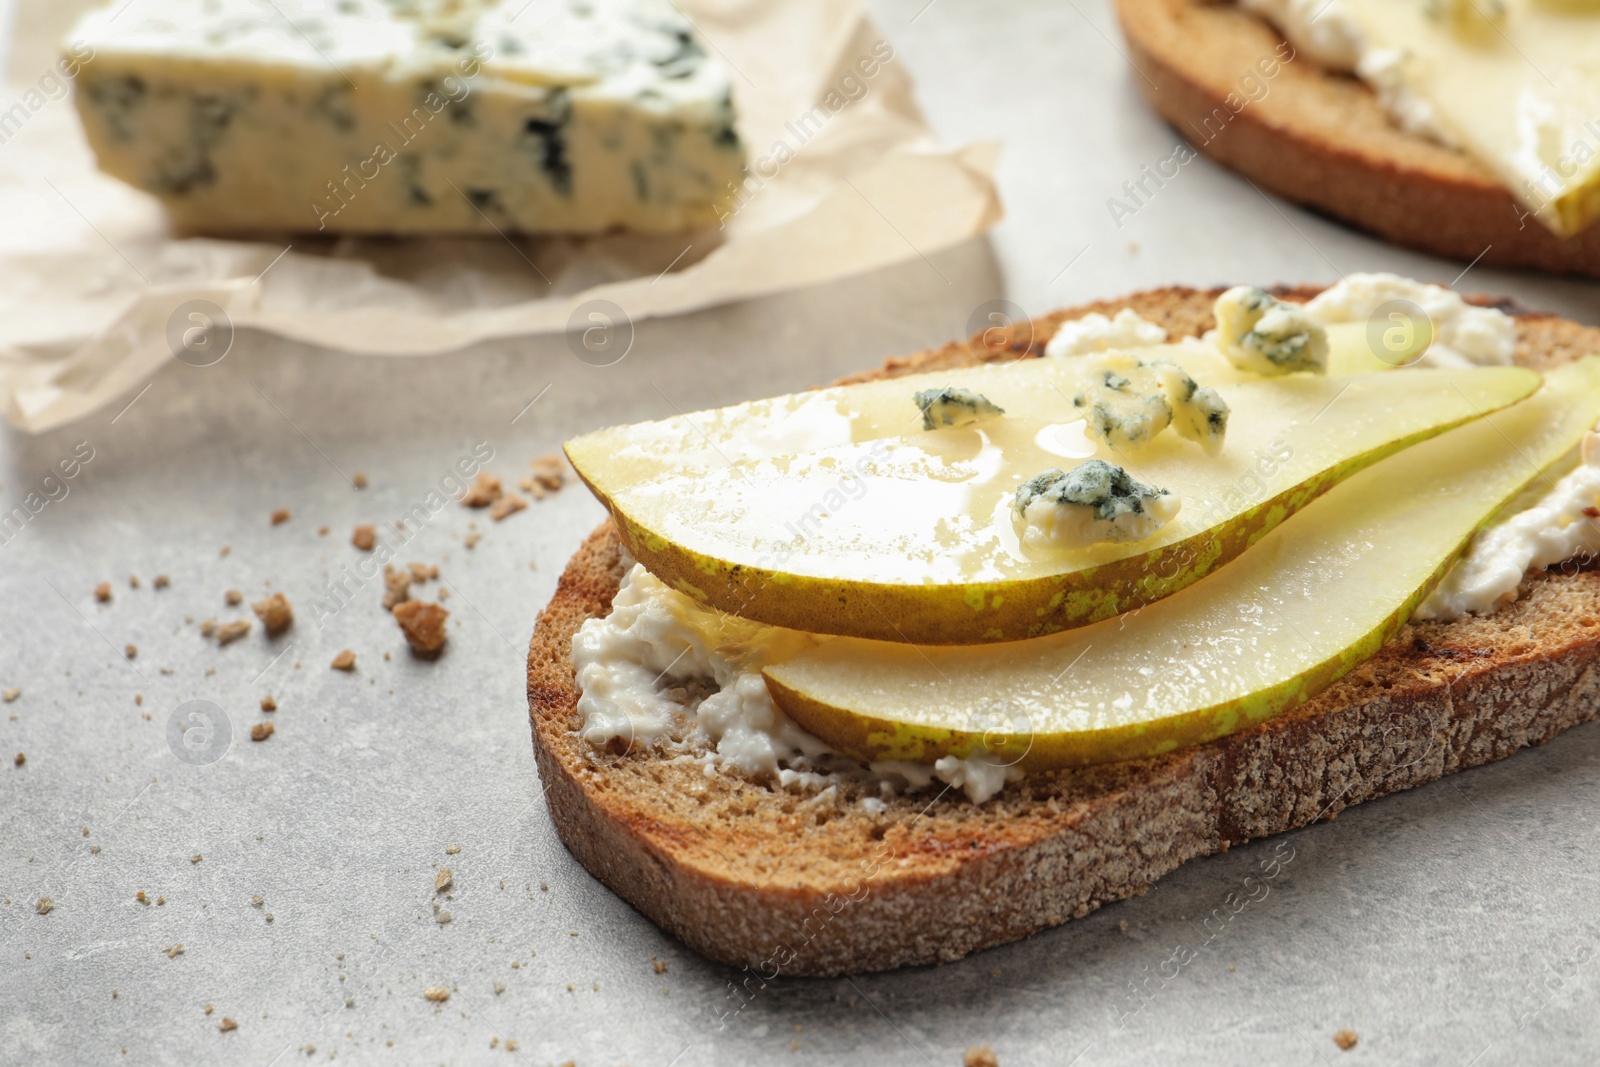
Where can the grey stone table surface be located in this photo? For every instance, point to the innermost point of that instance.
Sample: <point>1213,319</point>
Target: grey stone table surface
<point>1456,924</point>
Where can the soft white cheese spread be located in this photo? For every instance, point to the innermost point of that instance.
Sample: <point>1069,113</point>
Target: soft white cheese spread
<point>1095,332</point>
<point>1559,527</point>
<point>1465,335</point>
<point>641,668</point>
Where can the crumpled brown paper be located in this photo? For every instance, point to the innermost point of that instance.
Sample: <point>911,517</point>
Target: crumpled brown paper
<point>845,177</point>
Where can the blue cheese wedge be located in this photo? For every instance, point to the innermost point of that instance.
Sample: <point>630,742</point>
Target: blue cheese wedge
<point>1127,402</point>
<point>954,405</point>
<point>1096,502</point>
<point>412,116</point>
<point>1268,336</point>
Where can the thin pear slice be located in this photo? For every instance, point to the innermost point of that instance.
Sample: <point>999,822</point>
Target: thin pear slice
<point>912,538</point>
<point>1029,389</point>
<point>1307,603</point>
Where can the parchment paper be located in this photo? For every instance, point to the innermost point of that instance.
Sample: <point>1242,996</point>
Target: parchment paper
<point>93,279</point>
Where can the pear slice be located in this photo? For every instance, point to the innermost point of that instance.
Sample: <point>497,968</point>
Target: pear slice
<point>1305,604</point>
<point>1028,389</point>
<point>912,538</point>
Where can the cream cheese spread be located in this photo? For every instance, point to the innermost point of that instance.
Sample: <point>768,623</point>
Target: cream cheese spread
<point>1563,525</point>
<point>1465,335</point>
<point>662,670</point>
<point>1095,332</point>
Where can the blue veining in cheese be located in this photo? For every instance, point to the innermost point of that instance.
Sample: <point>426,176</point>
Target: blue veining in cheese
<point>412,116</point>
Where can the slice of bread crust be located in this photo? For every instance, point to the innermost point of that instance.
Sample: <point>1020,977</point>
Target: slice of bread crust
<point>805,884</point>
<point>1323,140</point>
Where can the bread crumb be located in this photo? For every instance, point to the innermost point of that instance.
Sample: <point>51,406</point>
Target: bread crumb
<point>423,626</point>
<point>224,550</point>
<point>227,1024</point>
<point>233,598</point>
<point>509,504</point>
<point>549,471</point>
<point>472,539</point>
<point>980,1056</point>
<point>344,661</point>
<point>364,537</point>
<point>322,531</point>
<point>268,704</point>
<point>43,905</point>
<point>261,731</point>
<point>275,612</point>
<point>208,628</point>
<point>196,858</point>
<point>661,967</point>
<point>436,993</point>
<point>10,695</point>
<point>444,880</point>
<point>102,592</point>
<point>396,586</point>
<point>207,1009</point>
<point>1345,1039</point>
<point>162,581</point>
<point>229,632</point>
<point>422,572</point>
<point>442,918</point>
<point>451,850</point>
<point>499,988</point>
<point>141,898</point>
<point>484,490</point>
<point>173,952</point>
<point>444,594</point>
<point>280,516</point>
<point>161,902</point>
<point>360,480</point>
<point>19,759</point>
<point>256,902</point>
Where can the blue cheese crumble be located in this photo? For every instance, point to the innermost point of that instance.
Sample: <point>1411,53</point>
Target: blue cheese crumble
<point>954,406</point>
<point>1097,501</point>
<point>412,116</point>
<point>1268,336</point>
<point>1127,402</point>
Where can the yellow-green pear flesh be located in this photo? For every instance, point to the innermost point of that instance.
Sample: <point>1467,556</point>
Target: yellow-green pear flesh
<point>1307,603</point>
<point>913,537</point>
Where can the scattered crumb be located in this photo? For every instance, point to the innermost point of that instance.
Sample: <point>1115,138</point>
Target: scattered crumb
<point>396,586</point>
<point>444,594</point>
<point>208,628</point>
<point>224,550</point>
<point>173,952</point>
<point>268,916</point>
<point>268,704</point>
<point>322,531</point>
<point>138,701</point>
<point>280,516</point>
<point>20,758</point>
<point>11,694</point>
<point>233,598</point>
<point>360,480</point>
<point>256,902</point>
<point>423,626</point>
<point>549,473</point>
<point>207,1009</point>
<point>442,918</point>
<point>661,967</point>
<point>1345,1039</point>
<point>509,504</point>
<point>196,858</point>
<point>980,1056</point>
<point>275,612</point>
<point>161,902</point>
<point>484,490</point>
<point>364,537</point>
<point>445,879</point>
<point>451,850</point>
<point>423,572</point>
<point>511,1044</point>
<point>1122,925</point>
<point>141,898</point>
<point>230,632</point>
<point>261,731</point>
<point>43,905</point>
<point>472,539</point>
<point>436,993</point>
<point>227,1024</point>
<point>162,581</point>
<point>102,592</point>
<point>344,661</point>
<point>499,988</point>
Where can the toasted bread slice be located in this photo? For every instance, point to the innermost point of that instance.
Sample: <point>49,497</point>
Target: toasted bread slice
<point>819,885</point>
<point>1324,141</point>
